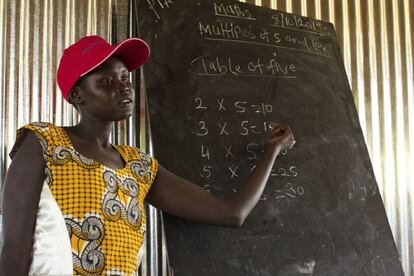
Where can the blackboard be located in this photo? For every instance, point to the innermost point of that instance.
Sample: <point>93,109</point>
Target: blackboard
<point>219,72</point>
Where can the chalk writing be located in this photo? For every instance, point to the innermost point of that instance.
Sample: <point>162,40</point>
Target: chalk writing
<point>232,10</point>
<point>229,152</point>
<point>154,5</point>
<point>206,172</point>
<point>298,23</point>
<point>207,188</point>
<point>238,106</point>
<point>205,153</point>
<point>222,128</point>
<point>291,171</point>
<point>289,192</point>
<point>258,67</point>
<point>199,103</point>
<point>233,170</point>
<point>228,31</point>
<point>202,131</point>
<point>221,106</point>
<point>244,128</point>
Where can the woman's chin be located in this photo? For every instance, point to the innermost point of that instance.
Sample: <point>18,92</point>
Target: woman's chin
<point>119,117</point>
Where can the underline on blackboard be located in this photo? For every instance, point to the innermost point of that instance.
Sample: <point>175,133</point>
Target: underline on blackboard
<point>248,75</point>
<point>264,44</point>
<point>239,17</point>
<point>296,29</point>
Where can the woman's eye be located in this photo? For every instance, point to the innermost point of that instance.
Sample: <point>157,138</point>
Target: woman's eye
<point>125,78</point>
<point>107,81</point>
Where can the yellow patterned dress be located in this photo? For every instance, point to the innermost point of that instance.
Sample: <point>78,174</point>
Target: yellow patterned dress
<point>103,208</point>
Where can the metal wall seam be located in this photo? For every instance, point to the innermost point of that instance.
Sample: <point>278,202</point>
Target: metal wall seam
<point>374,146</point>
<point>400,153</point>
<point>10,77</point>
<point>332,15</point>
<point>346,42</point>
<point>21,65</point>
<point>318,9</point>
<point>3,18</point>
<point>3,14</point>
<point>304,7</point>
<point>359,88</point>
<point>389,193</point>
<point>44,100</point>
<point>57,33</point>
<point>408,30</point>
<point>289,6</point>
<point>34,65</point>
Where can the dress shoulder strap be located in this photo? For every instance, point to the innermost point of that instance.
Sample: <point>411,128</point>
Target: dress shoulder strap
<point>143,165</point>
<point>48,134</point>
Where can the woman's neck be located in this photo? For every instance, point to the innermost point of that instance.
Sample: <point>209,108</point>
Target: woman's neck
<point>93,132</point>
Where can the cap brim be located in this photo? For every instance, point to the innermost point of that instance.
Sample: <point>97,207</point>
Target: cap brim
<point>134,52</point>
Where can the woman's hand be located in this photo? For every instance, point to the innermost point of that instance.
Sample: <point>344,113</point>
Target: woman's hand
<point>282,138</point>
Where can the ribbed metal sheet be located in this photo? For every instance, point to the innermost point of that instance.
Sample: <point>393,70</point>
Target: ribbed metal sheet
<point>33,35</point>
<point>377,38</point>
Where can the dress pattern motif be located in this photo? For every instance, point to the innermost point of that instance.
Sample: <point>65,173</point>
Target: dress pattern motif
<point>120,201</point>
<point>90,260</point>
<point>62,155</point>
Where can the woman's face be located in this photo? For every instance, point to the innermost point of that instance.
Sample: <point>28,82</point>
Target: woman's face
<point>106,93</point>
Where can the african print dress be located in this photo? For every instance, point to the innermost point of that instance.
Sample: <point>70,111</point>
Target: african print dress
<point>103,208</point>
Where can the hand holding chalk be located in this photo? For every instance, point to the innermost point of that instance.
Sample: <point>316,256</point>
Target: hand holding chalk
<point>282,138</point>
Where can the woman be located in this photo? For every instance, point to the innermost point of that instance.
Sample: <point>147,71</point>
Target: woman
<point>98,187</point>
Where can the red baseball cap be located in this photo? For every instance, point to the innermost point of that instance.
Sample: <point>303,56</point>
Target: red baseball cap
<point>89,52</point>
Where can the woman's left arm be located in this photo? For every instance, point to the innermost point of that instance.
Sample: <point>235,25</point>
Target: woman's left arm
<point>177,196</point>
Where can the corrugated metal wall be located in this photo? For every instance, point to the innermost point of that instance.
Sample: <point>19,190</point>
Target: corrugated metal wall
<point>376,38</point>
<point>33,35</point>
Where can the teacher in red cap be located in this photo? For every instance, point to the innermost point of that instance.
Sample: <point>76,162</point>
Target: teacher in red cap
<point>73,203</point>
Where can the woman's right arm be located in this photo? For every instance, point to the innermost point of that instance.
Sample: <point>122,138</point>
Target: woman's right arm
<point>21,193</point>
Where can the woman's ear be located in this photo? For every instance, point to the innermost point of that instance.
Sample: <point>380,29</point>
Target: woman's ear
<point>75,96</point>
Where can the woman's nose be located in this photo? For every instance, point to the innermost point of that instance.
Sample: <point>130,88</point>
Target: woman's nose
<point>123,87</point>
